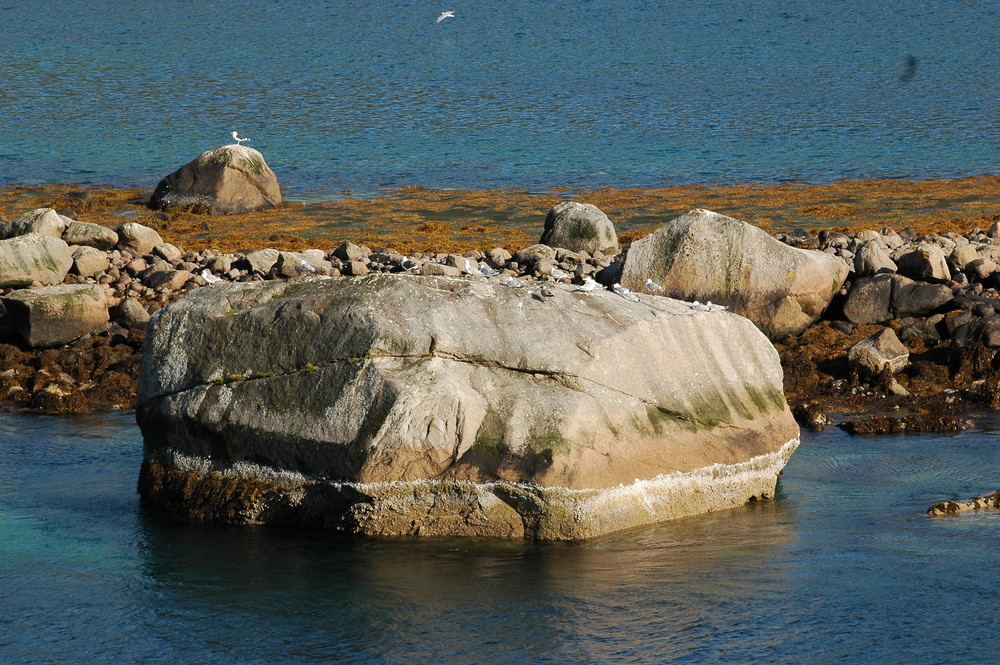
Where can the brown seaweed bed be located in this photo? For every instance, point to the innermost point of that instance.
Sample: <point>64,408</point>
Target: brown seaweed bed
<point>418,219</point>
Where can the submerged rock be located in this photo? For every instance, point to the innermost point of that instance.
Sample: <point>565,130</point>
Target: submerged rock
<point>228,179</point>
<point>707,256</point>
<point>454,406</point>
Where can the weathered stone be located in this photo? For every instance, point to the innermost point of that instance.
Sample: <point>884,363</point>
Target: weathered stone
<point>962,256</point>
<point>439,270</point>
<point>707,256</point>
<point>869,300</point>
<point>88,261</point>
<point>872,258</point>
<point>498,256</point>
<point>130,313</point>
<point>224,180</point>
<point>139,238</point>
<point>985,502</point>
<point>34,257</point>
<point>54,315</point>
<point>262,260</point>
<point>348,251</point>
<point>168,252</point>
<point>296,264</point>
<point>529,256</point>
<point>911,298</point>
<point>170,280</point>
<point>579,227</point>
<point>927,263</point>
<point>91,235</point>
<point>389,404</point>
<point>45,221</point>
<point>881,351</point>
<point>980,269</point>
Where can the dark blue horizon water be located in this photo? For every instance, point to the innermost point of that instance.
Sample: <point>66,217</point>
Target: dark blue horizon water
<point>844,567</point>
<point>349,95</point>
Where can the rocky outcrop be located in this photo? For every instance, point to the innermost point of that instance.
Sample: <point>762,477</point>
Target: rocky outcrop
<point>34,257</point>
<point>137,237</point>
<point>54,315</point>
<point>707,256</point>
<point>879,353</point>
<point>42,220</point>
<point>455,406</point>
<point>91,235</point>
<point>228,179</point>
<point>987,501</point>
<point>579,227</point>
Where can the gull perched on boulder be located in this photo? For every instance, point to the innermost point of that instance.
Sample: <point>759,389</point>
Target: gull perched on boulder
<point>558,273</point>
<point>624,293</point>
<point>652,286</point>
<point>587,286</point>
<point>513,283</point>
<point>207,275</point>
<point>239,138</point>
<point>486,271</point>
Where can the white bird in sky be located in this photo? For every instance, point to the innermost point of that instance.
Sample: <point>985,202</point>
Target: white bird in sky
<point>587,286</point>
<point>445,15</point>
<point>652,286</point>
<point>239,138</point>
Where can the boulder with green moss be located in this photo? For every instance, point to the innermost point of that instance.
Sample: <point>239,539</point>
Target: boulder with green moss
<point>225,180</point>
<point>34,257</point>
<point>704,256</point>
<point>401,404</point>
<point>54,315</point>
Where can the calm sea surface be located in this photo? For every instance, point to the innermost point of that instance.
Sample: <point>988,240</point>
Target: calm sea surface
<point>843,568</point>
<point>361,95</point>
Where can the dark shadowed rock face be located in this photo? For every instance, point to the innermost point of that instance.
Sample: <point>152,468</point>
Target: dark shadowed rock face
<point>455,406</point>
<point>228,179</point>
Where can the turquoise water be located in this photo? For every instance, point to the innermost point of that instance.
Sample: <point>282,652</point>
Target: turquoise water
<point>843,568</point>
<point>361,95</point>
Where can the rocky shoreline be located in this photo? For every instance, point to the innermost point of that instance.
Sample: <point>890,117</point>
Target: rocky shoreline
<point>938,294</point>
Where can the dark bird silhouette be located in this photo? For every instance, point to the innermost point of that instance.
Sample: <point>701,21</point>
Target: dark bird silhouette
<point>911,69</point>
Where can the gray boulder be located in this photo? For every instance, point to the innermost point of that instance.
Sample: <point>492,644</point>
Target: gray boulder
<point>579,227</point>
<point>873,258</point>
<point>34,257</point>
<point>88,261</point>
<point>139,238</point>
<point>91,235</point>
<point>41,220</point>
<point>707,256</point>
<point>927,263</point>
<point>53,315</point>
<point>884,297</point>
<point>261,260</point>
<point>873,355</point>
<point>225,180</point>
<point>395,404</point>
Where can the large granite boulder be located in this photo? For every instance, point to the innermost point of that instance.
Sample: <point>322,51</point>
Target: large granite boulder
<point>53,315</point>
<point>35,257</point>
<point>41,220</point>
<point>228,179</point>
<point>400,404</point>
<point>91,235</point>
<point>137,237</point>
<point>707,256</point>
<point>579,227</point>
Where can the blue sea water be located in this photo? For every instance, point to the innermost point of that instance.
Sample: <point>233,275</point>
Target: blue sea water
<point>361,95</point>
<point>844,567</point>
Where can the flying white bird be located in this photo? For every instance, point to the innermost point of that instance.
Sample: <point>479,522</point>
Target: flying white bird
<point>239,138</point>
<point>207,275</point>
<point>653,286</point>
<point>587,286</point>
<point>445,15</point>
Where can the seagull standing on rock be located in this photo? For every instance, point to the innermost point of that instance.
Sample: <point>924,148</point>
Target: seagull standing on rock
<point>624,293</point>
<point>239,138</point>
<point>587,286</point>
<point>652,286</point>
